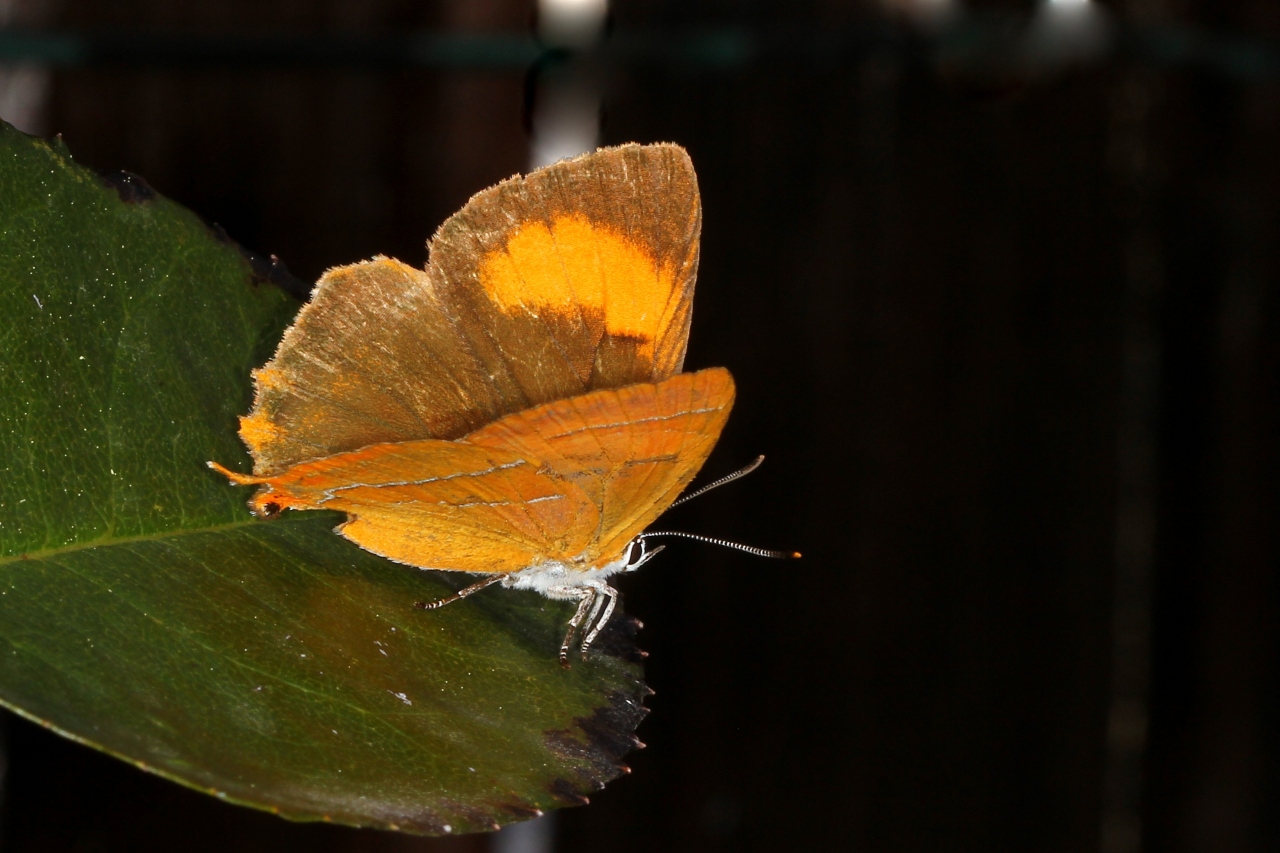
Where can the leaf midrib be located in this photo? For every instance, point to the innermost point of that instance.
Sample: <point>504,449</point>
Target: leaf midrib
<point>109,541</point>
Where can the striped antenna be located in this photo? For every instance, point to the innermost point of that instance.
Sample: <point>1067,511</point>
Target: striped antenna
<point>725,543</point>
<point>728,478</point>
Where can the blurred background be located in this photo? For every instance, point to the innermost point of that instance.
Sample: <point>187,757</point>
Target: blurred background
<point>998,281</point>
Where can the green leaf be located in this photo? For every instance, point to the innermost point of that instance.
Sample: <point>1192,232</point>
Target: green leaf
<point>144,612</point>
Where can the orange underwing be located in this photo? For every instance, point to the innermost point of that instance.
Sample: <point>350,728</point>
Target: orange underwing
<point>516,410</point>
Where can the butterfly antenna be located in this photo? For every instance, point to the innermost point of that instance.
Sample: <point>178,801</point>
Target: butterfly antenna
<point>728,478</point>
<point>724,543</point>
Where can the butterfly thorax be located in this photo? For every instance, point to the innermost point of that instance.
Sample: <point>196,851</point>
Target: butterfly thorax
<point>552,578</point>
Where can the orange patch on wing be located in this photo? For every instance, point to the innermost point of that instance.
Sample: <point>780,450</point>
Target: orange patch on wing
<point>570,267</point>
<point>258,430</point>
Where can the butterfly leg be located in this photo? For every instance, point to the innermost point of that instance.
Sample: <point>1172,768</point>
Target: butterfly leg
<point>459,595</point>
<point>600,597</point>
<point>605,591</point>
<point>586,597</point>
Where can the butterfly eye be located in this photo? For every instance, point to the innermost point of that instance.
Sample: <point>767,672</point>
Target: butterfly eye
<point>639,553</point>
<point>635,554</point>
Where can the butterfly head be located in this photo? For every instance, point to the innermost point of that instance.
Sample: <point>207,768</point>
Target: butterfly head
<point>638,553</point>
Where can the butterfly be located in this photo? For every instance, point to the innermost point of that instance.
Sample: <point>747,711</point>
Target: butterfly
<point>517,409</point>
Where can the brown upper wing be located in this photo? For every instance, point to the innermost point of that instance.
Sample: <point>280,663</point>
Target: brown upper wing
<point>578,276</point>
<point>374,357</point>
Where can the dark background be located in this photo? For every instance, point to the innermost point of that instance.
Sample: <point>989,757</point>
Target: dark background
<point>1006,330</point>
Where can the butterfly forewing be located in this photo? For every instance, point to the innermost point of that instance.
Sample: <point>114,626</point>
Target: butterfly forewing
<point>576,277</point>
<point>579,276</point>
<point>631,451</point>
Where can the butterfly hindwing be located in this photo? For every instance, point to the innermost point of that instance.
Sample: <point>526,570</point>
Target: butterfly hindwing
<point>440,504</point>
<point>337,381</point>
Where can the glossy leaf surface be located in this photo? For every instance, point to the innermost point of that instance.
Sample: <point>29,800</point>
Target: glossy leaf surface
<point>144,612</point>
